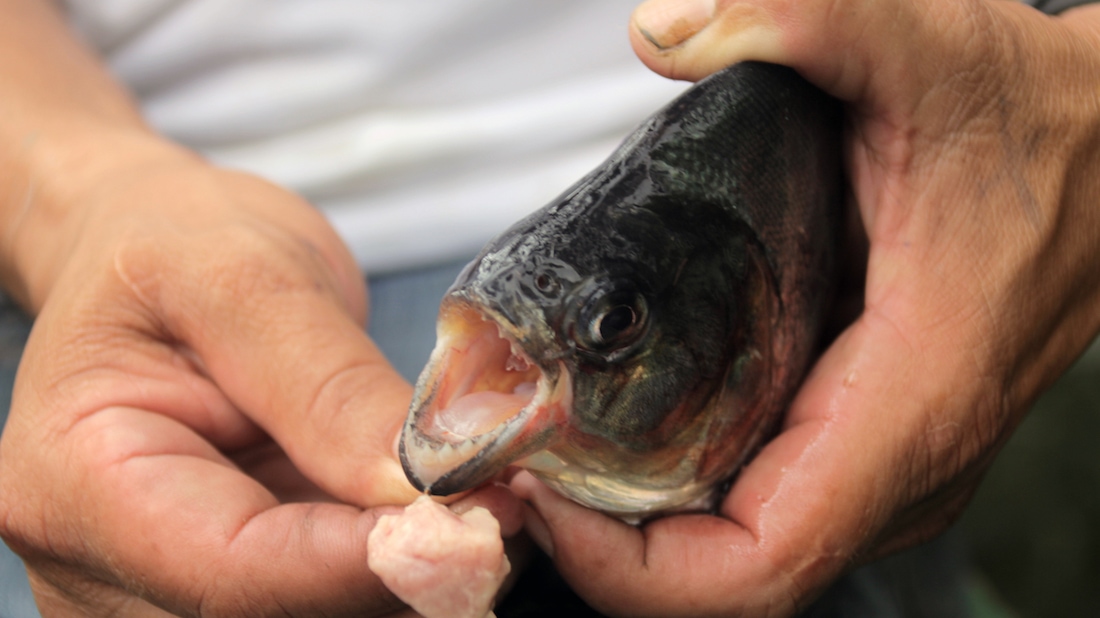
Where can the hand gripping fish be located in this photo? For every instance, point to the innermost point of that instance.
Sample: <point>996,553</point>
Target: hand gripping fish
<point>634,342</point>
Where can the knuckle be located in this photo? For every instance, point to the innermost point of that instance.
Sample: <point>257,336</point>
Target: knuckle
<point>245,269</point>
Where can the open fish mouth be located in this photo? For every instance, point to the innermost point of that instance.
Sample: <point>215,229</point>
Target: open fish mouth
<point>481,403</point>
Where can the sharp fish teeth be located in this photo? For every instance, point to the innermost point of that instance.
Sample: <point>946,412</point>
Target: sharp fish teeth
<point>433,453</point>
<point>517,363</point>
<point>446,455</point>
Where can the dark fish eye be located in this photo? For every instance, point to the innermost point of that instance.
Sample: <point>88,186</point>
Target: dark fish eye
<point>611,321</point>
<point>615,322</point>
<point>545,283</point>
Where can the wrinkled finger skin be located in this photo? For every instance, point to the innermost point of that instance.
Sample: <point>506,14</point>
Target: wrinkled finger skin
<point>973,153</point>
<point>199,424</point>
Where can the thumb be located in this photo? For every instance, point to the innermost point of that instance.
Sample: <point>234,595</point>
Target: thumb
<point>846,47</point>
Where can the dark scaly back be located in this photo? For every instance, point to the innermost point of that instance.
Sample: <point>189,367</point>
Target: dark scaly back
<point>780,174</point>
<point>752,150</point>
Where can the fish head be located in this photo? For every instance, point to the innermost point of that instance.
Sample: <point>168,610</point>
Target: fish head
<point>630,380</point>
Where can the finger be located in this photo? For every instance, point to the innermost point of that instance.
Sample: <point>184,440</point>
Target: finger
<point>268,464</point>
<point>90,598</point>
<point>167,517</point>
<point>274,331</point>
<point>684,565</point>
<point>498,500</point>
<point>841,45</point>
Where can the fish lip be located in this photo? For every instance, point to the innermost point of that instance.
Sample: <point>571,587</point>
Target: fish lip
<point>425,452</point>
<point>477,469</point>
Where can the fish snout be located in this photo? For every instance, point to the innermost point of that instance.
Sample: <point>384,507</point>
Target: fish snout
<point>480,404</point>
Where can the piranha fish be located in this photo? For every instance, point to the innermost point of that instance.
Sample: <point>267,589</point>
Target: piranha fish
<point>636,340</point>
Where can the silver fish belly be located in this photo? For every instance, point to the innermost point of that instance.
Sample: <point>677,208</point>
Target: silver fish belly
<point>635,341</point>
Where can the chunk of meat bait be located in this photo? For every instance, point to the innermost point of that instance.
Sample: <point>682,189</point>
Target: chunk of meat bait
<point>441,564</point>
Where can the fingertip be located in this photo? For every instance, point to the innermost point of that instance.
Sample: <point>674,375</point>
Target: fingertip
<point>665,24</point>
<point>499,500</point>
<point>544,504</point>
<point>344,438</point>
<point>690,39</point>
<point>382,481</point>
<point>523,484</point>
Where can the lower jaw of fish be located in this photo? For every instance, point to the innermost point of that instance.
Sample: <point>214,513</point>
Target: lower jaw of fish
<point>631,497</point>
<point>480,405</point>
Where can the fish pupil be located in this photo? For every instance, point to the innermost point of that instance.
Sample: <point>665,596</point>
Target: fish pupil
<point>615,321</point>
<point>544,282</point>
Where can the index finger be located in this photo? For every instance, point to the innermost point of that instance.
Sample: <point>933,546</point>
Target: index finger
<point>269,323</point>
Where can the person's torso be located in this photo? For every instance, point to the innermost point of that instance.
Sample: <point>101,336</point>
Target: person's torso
<point>420,128</point>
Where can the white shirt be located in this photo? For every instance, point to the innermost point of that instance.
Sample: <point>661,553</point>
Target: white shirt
<point>420,128</point>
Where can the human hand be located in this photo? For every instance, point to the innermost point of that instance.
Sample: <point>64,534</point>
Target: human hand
<point>973,152</point>
<point>199,419</point>
<point>199,423</point>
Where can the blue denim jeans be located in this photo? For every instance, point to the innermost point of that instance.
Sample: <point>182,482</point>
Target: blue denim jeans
<point>15,594</point>
<point>932,580</point>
